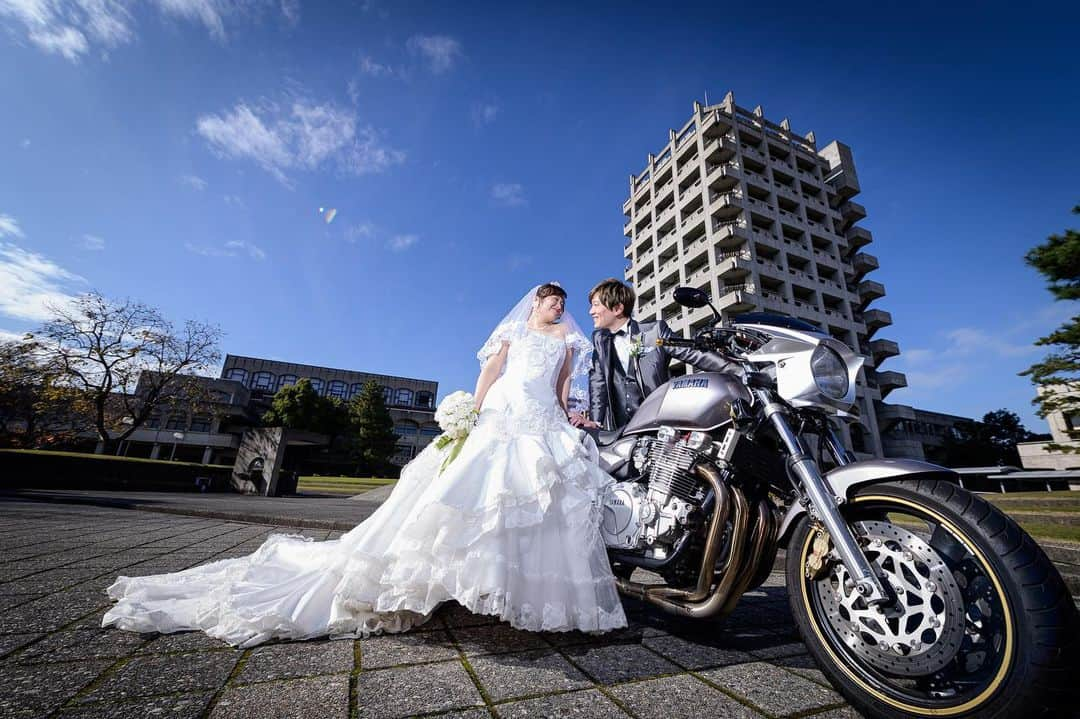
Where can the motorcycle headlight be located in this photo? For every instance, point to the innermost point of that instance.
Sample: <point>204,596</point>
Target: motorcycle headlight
<point>830,372</point>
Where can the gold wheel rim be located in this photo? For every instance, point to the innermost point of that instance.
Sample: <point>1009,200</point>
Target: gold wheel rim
<point>926,711</point>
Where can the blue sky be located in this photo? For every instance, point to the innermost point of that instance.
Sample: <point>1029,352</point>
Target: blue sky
<point>178,151</point>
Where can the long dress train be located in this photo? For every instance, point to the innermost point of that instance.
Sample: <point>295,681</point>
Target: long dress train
<point>510,528</point>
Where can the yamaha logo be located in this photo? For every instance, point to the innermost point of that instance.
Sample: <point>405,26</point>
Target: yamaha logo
<point>690,382</point>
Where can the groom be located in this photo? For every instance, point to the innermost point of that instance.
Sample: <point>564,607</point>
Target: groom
<point>627,365</point>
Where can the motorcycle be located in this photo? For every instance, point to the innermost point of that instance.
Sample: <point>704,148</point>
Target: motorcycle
<point>915,597</point>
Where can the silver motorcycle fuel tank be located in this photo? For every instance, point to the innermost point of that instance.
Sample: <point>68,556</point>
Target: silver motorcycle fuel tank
<point>699,401</point>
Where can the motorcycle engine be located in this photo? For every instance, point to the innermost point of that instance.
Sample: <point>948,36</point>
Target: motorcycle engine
<point>651,512</point>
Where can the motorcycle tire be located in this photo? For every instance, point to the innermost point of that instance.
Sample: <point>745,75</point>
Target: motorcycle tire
<point>1038,627</point>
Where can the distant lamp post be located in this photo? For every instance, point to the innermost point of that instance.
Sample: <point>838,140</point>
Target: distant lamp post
<point>177,436</point>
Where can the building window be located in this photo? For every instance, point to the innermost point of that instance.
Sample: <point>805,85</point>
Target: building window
<point>405,429</point>
<point>153,421</point>
<point>200,423</point>
<point>356,389</point>
<point>286,380</point>
<point>262,380</point>
<point>388,395</point>
<point>403,396</point>
<point>430,430</point>
<point>336,388</point>
<point>176,421</point>
<point>404,452</point>
<point>316,384</point>
<point>240,375</point>
<point>425,399</point>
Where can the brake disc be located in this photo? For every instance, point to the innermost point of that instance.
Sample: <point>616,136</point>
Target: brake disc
<point>923,630</point>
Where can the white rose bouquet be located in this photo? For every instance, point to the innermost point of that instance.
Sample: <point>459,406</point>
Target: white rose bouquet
<point>456,416</point>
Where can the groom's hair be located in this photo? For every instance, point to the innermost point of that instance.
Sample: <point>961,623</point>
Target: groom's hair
<point>612,292</point>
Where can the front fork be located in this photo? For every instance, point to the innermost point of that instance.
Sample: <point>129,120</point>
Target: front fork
<point>824,503</point>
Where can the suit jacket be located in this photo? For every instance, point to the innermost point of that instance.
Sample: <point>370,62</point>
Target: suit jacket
<point>651,367</point>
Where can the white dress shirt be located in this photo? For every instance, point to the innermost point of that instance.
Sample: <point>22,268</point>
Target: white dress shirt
<point>622,344</point>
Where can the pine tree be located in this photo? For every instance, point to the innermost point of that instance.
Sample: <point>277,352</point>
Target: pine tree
<point>373,430</point>
<point>1057,377</point>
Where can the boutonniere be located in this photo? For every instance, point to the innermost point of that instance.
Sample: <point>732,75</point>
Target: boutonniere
<point>637,349</point>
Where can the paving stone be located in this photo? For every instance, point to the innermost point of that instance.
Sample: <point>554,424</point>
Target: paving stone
<point>11,642</point>
<point>81,644</point>
<point>589,704</point>
<point>772,689</point>
<point>507,676</point>
<point>147,676</point>
<point>324,697</point>
<point>409,648</point>
<point>694,655</point>
<point>626,635</point>
<point>41,688</point>
<point>49,613</point>
<point>496,638</point>
<point>805,666</point>
<point>841,713</point>
<point>175,706</point>
<point>619,662</point>
<point>778,651</point>
<point>297,659</point>
<point>466,714</point>
<point>13,600</point>
<point>405,691</point>
<point>678,697</point>
<point>182,642</point>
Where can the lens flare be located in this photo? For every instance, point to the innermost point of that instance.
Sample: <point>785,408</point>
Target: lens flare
<point>328,214</point>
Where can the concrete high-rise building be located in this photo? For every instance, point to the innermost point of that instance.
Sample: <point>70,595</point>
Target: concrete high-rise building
<point>761,219</point>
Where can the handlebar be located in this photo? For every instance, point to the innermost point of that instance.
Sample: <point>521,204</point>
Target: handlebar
<point>676,342</point>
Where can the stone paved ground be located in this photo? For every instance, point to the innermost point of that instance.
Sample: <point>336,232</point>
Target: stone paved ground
<point>57,559</point>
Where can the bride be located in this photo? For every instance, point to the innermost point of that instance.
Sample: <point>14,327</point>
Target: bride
<point>510,527</point>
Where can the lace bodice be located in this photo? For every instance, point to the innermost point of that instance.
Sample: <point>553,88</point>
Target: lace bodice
<point>524,398</point>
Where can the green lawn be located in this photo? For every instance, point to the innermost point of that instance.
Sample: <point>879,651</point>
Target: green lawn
<point>341,485</point>
<point>107,457</point>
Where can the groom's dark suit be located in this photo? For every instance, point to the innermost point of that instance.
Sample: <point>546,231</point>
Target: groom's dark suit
<point>616,393</point>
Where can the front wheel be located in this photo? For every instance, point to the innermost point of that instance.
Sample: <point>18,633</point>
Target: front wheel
<point>982,625</point>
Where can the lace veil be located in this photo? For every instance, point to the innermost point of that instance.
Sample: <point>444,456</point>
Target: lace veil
<point>514,326</point>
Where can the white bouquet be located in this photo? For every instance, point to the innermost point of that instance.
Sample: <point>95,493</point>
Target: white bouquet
<point>456,416</point>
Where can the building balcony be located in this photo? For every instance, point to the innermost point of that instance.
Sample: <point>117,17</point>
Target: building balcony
<point>852,212</point>
<point>889,381</point>
<point>719,150</point>
<point>882,349</point>
<point>734,266</point>
<point>729,233</point>
<point>857,237</point>
<point>868,291</point>
<point>627,228</point>
<point>875,320</point>
<point>863,263</point>
<point>736,298</point>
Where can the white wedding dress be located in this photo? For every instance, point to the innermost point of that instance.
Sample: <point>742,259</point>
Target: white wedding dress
<point>510,528</point>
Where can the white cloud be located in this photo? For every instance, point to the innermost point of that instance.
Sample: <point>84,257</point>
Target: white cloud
<point>516,262</point>
<point>194,182</point>
<point>360,231</point>
<point>25,143</point>
<point>441,52</point>
<point>30,283</point>
<point>305,136</point>
<point>71,28</point>
<point>93,242</point>
<point>9,336</point>
<point>232,248</point>
<point>369,66</point>
<point>510,194</point>
<point>484,113</point>
<point>233,200</point>
<point>400,243</point>
<point>9,227</point>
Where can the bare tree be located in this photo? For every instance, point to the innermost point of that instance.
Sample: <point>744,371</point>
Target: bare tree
<point>100,348</point>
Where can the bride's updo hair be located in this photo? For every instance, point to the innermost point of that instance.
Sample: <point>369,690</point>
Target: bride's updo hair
<point>548,289</point>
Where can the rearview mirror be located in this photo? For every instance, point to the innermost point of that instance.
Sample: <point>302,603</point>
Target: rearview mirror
<point>691,297</point>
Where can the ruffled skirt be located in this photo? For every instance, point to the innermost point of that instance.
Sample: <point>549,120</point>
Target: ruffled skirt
<point>510,528</point>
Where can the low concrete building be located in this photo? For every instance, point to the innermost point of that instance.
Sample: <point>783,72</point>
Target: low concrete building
<point>411,401</point>
<point>915,433</point>
<point>1064,430</point>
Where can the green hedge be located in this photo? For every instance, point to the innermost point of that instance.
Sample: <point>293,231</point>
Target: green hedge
<point>44,469</point>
